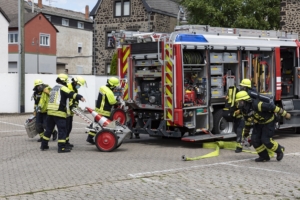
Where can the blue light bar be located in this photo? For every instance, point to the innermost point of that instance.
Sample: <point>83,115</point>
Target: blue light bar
<point>190,38</point>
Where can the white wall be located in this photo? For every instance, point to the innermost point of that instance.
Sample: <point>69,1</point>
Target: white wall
<point>4,44</point>
<point>9,102</point>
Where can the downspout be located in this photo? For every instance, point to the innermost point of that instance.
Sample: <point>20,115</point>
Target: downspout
<point>94,53</point>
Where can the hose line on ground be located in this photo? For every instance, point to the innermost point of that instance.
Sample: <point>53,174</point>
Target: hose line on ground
<point>217,146</point>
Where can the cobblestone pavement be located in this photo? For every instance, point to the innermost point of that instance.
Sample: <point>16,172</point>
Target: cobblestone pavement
<point>146,168</point>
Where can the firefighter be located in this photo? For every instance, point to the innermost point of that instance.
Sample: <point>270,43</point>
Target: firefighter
<point>106,100</point>
<point>76,83</point>
<point>232,114</point>
<point>41,96</point>
<point>57,112</point>
<point>262,116</point>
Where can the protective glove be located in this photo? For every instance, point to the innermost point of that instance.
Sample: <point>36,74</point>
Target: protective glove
<point>38,109</point>
<point>34,113</point>
<point>236,113</point>
<point>288,116</point>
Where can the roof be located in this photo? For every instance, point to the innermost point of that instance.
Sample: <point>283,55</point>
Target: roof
<point>4,14</point>
<point>58,12</point>
<point>27,17</point>
<point>11,7</point>
<point>165,7</point>
<point>14,19</point>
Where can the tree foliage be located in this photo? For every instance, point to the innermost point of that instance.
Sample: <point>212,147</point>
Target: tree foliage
<point>114,64</point>
<point>254,14</point>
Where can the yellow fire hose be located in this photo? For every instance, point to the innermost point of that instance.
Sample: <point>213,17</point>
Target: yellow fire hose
<point>217,146</point>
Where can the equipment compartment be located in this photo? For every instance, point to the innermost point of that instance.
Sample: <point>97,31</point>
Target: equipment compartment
<point>216,57</point>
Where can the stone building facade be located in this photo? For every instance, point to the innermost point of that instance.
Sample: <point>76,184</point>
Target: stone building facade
<point>290,15</point>
<point>143,17</point>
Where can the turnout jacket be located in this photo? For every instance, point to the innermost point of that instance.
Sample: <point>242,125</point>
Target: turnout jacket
<point>73,103</point>
<point>106,99</point>
<point>260,113</point>
<point>59,100</point>
<point>41,98</point>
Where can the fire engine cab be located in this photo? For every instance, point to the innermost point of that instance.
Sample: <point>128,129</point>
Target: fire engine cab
<point>175,84</point>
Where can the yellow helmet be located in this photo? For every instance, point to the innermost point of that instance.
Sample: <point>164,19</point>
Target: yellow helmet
<point>63,77</point>
<point>242,95</point>
<point>113,81</point>
<point>246,82</point>
<point>38,82</point>
<point>79,80</point>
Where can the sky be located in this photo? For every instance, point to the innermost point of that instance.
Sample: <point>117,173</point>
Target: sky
<point>75,5</point>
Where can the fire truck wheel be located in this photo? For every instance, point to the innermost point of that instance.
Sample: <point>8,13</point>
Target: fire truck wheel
<point>119,115</point>
<point>220,124</point>
<point>106,140</point>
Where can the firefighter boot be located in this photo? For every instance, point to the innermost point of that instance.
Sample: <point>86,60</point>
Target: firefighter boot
<point>54,135</point>
<point>263,156</point>
<point>90,139</point>
<point>69,145</point>
<point>239,148</point>
<point>279,152</point>
<point>44,145</point>
<point>63,150</point>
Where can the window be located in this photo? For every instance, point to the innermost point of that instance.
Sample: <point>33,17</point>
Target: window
<point>12,38</point>
<point>80,25</point>
<point>107,68</point>
<point>110,41</point>
<point>79,45</point>
<point>44,40</point>
<point>122,8</point>
<point>48,17</point>
<point>65,22</point>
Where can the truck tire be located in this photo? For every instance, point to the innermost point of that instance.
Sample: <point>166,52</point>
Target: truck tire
<point>220,125</point>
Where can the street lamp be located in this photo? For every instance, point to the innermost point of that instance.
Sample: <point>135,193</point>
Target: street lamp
<point>36,43</point>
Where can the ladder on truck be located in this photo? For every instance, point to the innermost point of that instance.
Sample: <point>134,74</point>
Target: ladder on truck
<point>242,33</point>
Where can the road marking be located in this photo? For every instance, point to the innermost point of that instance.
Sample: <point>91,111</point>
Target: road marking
<point>81,123</point>
<point>142,174</point>
<point>11,124</point>
<point>12,131</point>
<point>269,170</point>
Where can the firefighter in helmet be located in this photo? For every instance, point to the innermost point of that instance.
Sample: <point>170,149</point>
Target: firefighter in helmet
<point>246,85</point>
<point>106,100</point>
<point>261,114</point>
<point>76,83</point>
<point>41,97</point>
<point>57,112</point>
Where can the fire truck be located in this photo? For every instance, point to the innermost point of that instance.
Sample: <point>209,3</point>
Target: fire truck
<point>175,84</point>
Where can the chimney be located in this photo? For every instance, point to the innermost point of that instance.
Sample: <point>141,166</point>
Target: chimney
<point>87,12</point>
<point>40,4</point>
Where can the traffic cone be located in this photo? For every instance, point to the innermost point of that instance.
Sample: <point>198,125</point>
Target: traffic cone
<point>103,121</point>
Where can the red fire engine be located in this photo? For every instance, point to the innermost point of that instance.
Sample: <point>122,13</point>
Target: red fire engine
<point>175,83</point>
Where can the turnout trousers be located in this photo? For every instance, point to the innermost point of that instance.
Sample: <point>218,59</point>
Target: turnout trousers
<point>261,139</point>
<point>60,123</point>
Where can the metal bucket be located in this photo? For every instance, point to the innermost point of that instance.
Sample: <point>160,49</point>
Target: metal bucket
<point>30,127</point>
